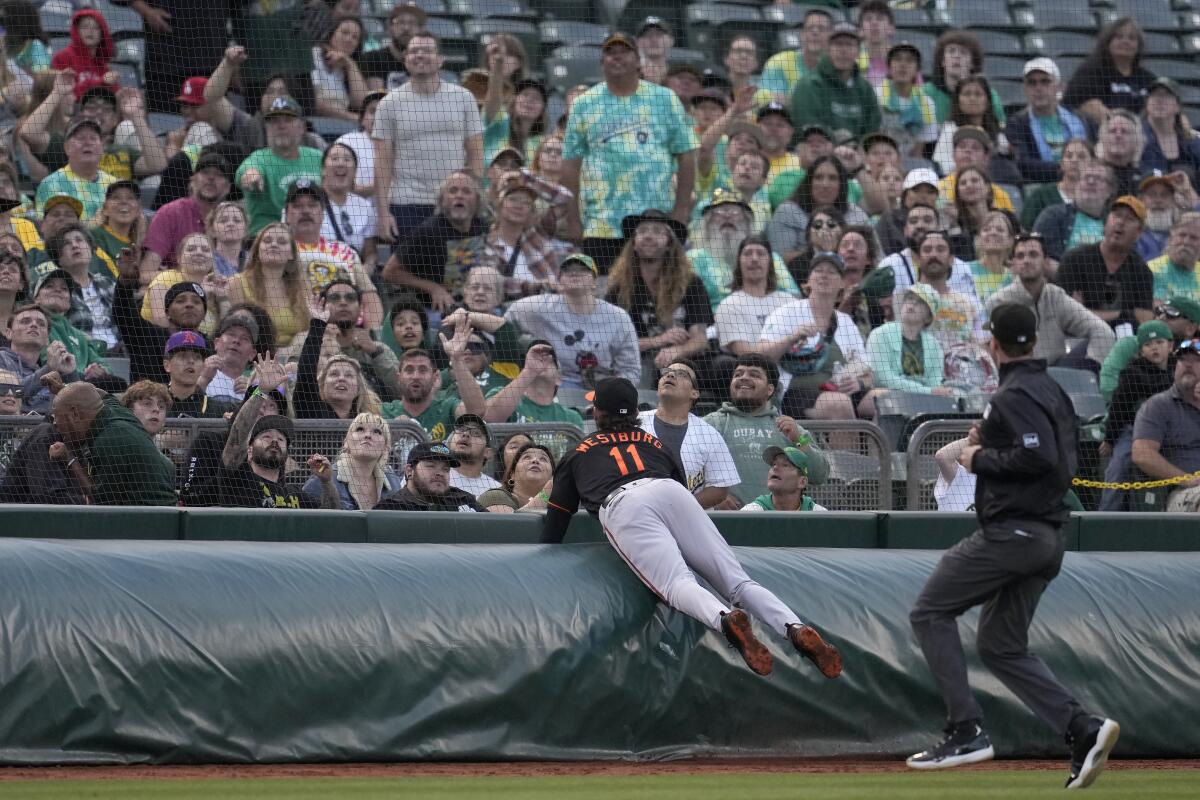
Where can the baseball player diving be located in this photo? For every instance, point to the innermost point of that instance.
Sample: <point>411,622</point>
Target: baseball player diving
<point>1023,454</point>
<point>639,490</point>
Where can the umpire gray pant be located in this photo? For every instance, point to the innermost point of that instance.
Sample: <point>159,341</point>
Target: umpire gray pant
<point>1006,568</point>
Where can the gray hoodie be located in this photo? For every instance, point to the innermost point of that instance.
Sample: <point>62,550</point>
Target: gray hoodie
<point>748,434</point>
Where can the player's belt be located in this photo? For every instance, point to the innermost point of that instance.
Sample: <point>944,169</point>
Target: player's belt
<point>617,491</point>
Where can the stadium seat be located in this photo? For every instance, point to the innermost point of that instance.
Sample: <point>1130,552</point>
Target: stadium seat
<point>127,74</point>
<point>631,16</point>
<point>131,51</point>
<point>1164,45</point>
<point>685,55</point>
<point>1012,97</point>
<point>556,33</point>
<point>1075,381</point>
<point>786,39</point>
<point>980,15</point>
<point>383,8</point>
<point>444,27</point>
<point>925,41</point>
<point>162,123</point>
<point>1071,15</point>
<point>1151,15</point>
<point>1003,43</point>
<point>1182,71</point>
<point>571,66</point>
<point>330,128</point>
<point>917,19</point>
<point>792,14</point>
<point>710,25</point>
<point>489,9</point>
<point>1001,68</point>
<point>1059,43</point>
<point>123,21</point>
<point>900,412</point>
<point>568,10</point>
<point>54,21</point>
<point>481,31</point>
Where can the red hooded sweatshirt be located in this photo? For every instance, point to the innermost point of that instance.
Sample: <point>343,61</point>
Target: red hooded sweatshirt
<point>89,69</point>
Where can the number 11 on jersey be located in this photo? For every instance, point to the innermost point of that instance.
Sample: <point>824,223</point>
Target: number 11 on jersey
<point>633,454</point>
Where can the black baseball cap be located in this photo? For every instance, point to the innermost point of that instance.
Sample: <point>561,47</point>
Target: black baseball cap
<point>213,161</point>
<point>184,287</point>
<point>1013,323</point>
<point>83,122</point>
<point>474,421</point>
<point>653,22</point>
<point>123,184</point>
<point>544,343</point>
<point>614,396</point>
<point>778,109</point>
<point>274,422</point>
<point>304,186</point>
<point>431,451</point>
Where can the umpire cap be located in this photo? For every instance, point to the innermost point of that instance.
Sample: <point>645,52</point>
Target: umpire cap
<point>1013,323</point>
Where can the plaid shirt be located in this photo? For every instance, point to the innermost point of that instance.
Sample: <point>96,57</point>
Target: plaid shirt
<point>540,255</point>
<point>80,315</point>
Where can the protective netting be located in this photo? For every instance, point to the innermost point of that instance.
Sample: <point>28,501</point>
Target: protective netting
<point>290,241</point>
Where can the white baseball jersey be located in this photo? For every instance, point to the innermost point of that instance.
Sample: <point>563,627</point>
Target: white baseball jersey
<point>705,456</point>
<point>473,486</point>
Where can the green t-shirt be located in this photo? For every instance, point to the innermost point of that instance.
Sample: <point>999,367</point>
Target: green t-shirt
<point>118,160</point>
<point>1170,280</point>
<point>628,147</point>
<point>1037,201</point>
<point>1085,230</point>
<point>437,420</point>
<point>108,242</point>
<point>1054,134</point>
<point>528,411</point>
<point>496,133</point>
<point>767,504</point>
<point>492,382</point>
<point>278,176</point>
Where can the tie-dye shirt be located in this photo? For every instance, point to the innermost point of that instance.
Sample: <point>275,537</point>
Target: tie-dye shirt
<point>628,147</point>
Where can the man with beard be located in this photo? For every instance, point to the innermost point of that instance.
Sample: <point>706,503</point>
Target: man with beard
<point>921,218</point>
<point>253,465</point>
<point>1166,432</point>
<point>957,317</point>
<point>178,219</point>
<point>323,260</point>
<point>750,421</point>
<point>110,455</point>
<point>183,361</point>
<point>1069,225</point>
<point>419,399</point>
<point>267,174</point>
<point>1059,316</point>
<point>377,361</point>
<point>471,444</point>
<point>1157,193</point>
<point>1109,277</point>
<point>436,256</point>
<point>726,221</point>
<point>633,144</point>
<point>594,337</point>
<point>384,68</point>
<point>1175,270</point>
<point>427,483</point>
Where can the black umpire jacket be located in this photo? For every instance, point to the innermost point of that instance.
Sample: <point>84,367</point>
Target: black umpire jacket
<point>1029,449</point>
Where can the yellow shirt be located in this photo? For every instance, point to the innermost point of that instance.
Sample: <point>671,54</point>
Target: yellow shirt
<point>1000,199</point>
<point>164,281</point>
<point>287,322</point>
<point>27,232</point>
<point>783,162</point>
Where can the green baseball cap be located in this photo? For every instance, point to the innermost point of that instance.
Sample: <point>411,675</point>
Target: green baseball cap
<point>580,258</point>
<point>879,283</point>
<point>1154,329</point>
<point>926,294</point>
<point>797,457</point>
<point>1186,306</point>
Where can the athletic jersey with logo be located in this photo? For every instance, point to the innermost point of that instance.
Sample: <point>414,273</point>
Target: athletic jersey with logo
<point>606,460</point>
<point>703,453</point>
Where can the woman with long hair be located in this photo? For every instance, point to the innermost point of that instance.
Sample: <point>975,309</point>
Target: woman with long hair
<point>1119,144</point>
<point>194,263</point>
<point>971,105</point>
<point>120,222</point>
<point>349,218</point>
<point>825,227</point>
<point>521,122</point>
<point>956,56</point>
<point>653,280</point>
<point>337,81</point>
<point>274,280</point>
<point>227,224</point>
<point>1171,143</point>
<point>754,296</point>
<point>825,184</point>
<point>361,473</point>
<point>972,202</point>
<point>525,479</point>
<point>508,453</point>
<point>1076,153</point>
<point>1112,76</point>
<point>993,245</point>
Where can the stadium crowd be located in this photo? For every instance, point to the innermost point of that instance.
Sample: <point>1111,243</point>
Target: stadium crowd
<point>782,237</point>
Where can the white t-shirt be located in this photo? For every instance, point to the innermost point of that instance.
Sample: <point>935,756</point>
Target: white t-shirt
<point>473,486</point>
<point>360,142</point>
<point>355,219</point>
<point>427,133</point>
<point>958,494</point>
<point>961,278</point>
<point>740,317</point>
<point>102,326</point>
<point>784,322</point>
<point>221,386</point>
<point>704,453</point>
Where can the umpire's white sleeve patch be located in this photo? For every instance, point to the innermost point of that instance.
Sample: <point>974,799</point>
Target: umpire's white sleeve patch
<point>1031,440</point>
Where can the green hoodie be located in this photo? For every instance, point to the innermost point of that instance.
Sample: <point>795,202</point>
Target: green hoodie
<point>748,434</point>
<point>86,351</point>
<point>822,98</point>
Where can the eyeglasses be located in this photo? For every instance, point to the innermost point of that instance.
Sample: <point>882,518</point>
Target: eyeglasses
<point>471,431</point>
<point>1188,346</point>
<point>822,224</point>
<point>11,390</point>
<point>1031,236</point>
<point>679,373</point>
<point>1168,312</point>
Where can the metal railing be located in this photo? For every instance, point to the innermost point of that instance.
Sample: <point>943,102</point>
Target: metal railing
<point>860,467</point>
<point>921,470</point>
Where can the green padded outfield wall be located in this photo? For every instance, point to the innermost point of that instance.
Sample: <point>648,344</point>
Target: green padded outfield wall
<point>215,651</point>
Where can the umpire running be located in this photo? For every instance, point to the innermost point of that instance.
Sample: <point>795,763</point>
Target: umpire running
<point>1024,454</point>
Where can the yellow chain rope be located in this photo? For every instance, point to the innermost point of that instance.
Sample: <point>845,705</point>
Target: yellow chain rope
<point>1134,484</point>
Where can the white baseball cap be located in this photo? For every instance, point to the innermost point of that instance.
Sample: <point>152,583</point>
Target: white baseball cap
<point>1042,64</point>
<point>920,176</point>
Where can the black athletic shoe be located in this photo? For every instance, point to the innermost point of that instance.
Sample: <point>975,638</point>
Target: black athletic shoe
<point>965,743</point>
<point>1089,753</point>
<point>736,627</point>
